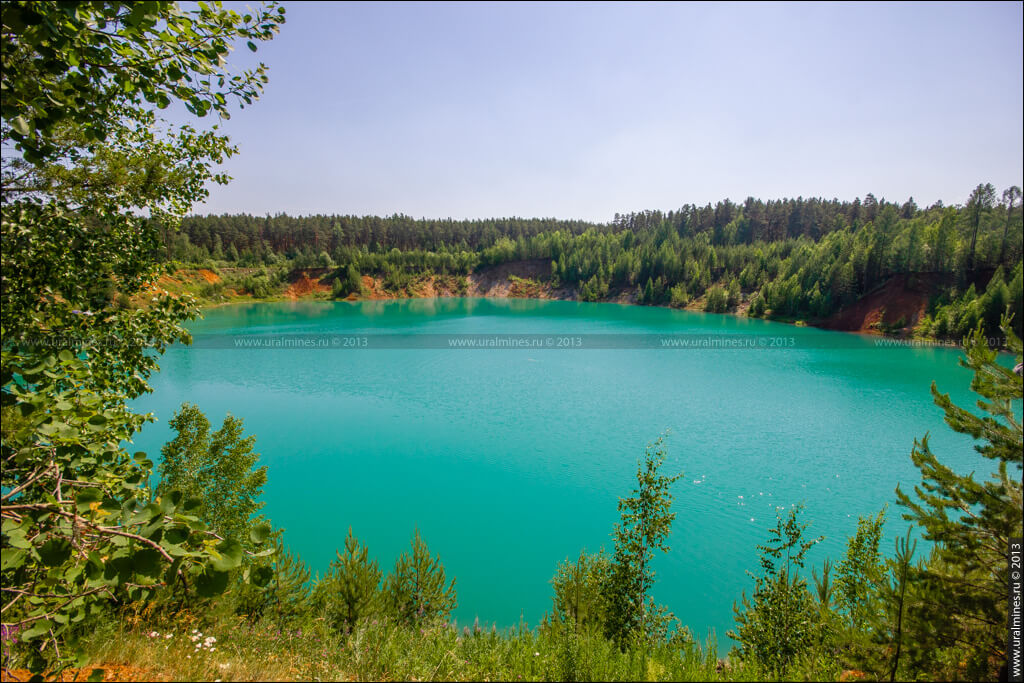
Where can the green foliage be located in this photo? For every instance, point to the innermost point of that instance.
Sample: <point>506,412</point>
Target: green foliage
<point>757,306</point>
<point>388,651</point>
<point>678,297</point>
<point>647,293</point>
<point>417,591</point>
<point>783,623</point>
<point>218,470</point>
<point>353,283</point>
<point>717,300</point>
<point>826,256</point>
<point>953,315</point>
<point>594,289</point>
<point>644,526</point>
<point>396,279</point>
<point>70,64</point>
<point>891,595</point>
<point>981,201</point>
<point>351,589</point>
<point>824,588</point>
<point>734,294</point>
<point>581,589</point>
<point>261,286</point>
<point>91,170</point>
<point>213,291</point>
<point>276,587</point>
<point>971,521</point>
<point>860,570</point>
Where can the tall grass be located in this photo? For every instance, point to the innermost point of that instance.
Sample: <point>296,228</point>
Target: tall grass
<point>386,651</point>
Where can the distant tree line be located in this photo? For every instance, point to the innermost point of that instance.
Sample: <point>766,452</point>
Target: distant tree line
<point>795,258</point>
<point>283,235</point>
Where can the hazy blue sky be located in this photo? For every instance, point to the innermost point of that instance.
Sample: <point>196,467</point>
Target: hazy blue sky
<point>581,110</point>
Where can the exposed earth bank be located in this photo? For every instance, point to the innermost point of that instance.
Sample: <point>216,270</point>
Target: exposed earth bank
<point>893,308</point>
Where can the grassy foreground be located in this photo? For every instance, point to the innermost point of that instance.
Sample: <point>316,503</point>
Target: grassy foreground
<point>232,650</point>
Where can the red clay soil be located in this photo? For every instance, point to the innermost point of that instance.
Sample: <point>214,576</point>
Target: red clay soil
<point>373,288</point>
<point>111,672</point>
<point>209,276</point>
<point>303,284</point>
<point>901,297</point>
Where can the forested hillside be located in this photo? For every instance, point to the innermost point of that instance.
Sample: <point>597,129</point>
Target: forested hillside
<point>802,258</point>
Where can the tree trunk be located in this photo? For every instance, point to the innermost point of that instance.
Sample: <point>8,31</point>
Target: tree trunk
<point>1006,227</point>
<point>974,240</point>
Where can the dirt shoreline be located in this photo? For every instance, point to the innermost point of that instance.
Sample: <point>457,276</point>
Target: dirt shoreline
<point>893,309</point>
<point>620,300</point>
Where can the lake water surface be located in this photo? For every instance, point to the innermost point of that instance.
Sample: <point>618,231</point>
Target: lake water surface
<point>508,461</point>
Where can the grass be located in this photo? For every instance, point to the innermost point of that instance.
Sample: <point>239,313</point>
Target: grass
<point>386,651</point>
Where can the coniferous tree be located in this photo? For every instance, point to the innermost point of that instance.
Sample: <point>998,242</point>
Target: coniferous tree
<point>733,294</point>
<point>647,296</point>
<point>282,590</point>
<point>757,306</point>
<point>353,283</point>
<point>971,521</point>
<point>982,199</point>
<point>825,589</point>
<point>289,583</point>
<point>351,589</point>
<point>417,590</point>
<point>892,595</point>
<point>678,298</point>
<point>1010,195</point>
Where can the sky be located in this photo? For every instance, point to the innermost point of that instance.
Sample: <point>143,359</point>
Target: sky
<point>582,110</point>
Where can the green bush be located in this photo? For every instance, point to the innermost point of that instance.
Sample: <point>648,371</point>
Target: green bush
<point>717,300</point>
<point>782,624</point>
<point>581,591</point>
<point>352,284</point>
<point>757,306</point>
<point>679,296</point>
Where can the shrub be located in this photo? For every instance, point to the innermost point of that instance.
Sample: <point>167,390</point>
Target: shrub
<point>717,300</point>
<point>580,590</point>
<point>783,623</point>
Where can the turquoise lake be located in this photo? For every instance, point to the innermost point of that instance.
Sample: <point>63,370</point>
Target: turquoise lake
<point>510,460</point>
